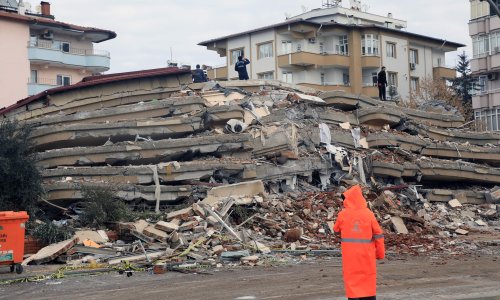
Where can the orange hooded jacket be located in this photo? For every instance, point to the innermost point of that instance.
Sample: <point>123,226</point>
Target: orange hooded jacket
<point>362,242</point>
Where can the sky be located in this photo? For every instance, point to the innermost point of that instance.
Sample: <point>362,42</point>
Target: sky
<point>150,32</point>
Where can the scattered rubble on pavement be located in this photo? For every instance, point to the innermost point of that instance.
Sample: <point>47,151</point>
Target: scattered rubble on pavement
<point>241,171</point>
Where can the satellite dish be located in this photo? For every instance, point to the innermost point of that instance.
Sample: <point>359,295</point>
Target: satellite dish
<point>287,16</point>
<point>304,9</point>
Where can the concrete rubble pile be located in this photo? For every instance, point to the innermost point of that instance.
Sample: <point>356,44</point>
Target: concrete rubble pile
<point>238,168</point>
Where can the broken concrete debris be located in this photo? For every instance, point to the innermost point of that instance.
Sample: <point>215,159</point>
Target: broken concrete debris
<point>242,169</point>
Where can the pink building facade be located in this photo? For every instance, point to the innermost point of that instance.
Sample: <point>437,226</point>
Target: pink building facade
<point>39,53</point>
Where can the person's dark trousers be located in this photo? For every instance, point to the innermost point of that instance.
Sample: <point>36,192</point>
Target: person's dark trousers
<point>364,298</point>
<point>381,92</point>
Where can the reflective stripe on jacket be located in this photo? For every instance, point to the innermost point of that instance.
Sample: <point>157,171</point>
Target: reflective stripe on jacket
<point>362,243</point>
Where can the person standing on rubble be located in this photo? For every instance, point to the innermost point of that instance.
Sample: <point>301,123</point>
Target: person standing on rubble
<point>241,67</point>
<point>199,75</point>
<point>382,84</point>
<point>362,242</point>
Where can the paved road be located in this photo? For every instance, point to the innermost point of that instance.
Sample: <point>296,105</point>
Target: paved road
<point>414,278</point>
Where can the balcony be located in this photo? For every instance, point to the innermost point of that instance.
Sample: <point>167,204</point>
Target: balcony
<point>53,53</point>
<point>38,85</point>
<point>305,59</point>
<point>370,91</point>
<point>370,61</point>
<point>442,72</point>
<point>218,73</point>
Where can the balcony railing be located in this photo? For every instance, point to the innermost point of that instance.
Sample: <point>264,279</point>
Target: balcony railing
<point>314,52</point>
<point>43,81</point>
<point>58,46</point>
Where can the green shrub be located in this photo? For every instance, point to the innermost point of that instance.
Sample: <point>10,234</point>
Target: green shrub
<point>20,181</point>
<point>48,233</point>
<point>101,206</point>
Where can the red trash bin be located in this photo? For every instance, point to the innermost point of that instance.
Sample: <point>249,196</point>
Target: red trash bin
<point>12,229</point>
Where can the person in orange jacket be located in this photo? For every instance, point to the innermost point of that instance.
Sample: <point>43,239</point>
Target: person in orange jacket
<point>362,243</point>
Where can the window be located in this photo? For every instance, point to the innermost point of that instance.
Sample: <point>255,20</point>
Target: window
<point>286,47</point>
<point>483,84</point>
<point>480,45</point>
<point>479,9</point>
<point>374,78</point>
<point>323,81</point>
<point>392,78</point>
<point>369,44</point>
<point>495,42</point>
<point>265,50</point>
<point>234,55</point>
<point>63,80</point>
<point>343,46</point>
<point>288,77</point>
<point>65,47</point>
<point>34,76</point>
<point>391,50</point>
<point>266,75</point>
<point>322,48</point>
<point>345,78</point>
<point>414,84</point>
<point>414,56</point>
<point>488,119</point>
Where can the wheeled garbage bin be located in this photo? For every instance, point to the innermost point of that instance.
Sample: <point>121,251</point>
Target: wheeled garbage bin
<point>12,229</point>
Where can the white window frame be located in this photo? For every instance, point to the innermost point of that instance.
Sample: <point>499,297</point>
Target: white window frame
<point>265,50</point>
<point>60,80</point>
<point>65,47</point>
<point>286,47</point>
<point>287,76</point>
<point>266,75</point>
<point>392,79</point>
<point>343,46</point>
<point>369,45</point>
<point>390,49</point>
<point>414,56</point>
<point>34,76</point>
<point>414,83</point>
<point>235,53</point>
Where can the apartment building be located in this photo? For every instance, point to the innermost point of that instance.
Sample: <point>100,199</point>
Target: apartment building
<point>39,53</point>
<point>484,29</point>
<point>337,48</point>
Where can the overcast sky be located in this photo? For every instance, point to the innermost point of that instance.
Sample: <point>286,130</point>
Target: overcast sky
<point>150,31</point>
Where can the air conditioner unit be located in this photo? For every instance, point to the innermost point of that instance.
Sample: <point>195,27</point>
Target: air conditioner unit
<point>496,50</point>
<point>492,76</point>
<point>312,40</point>
<point>412,66</point>
<point>48,35</point>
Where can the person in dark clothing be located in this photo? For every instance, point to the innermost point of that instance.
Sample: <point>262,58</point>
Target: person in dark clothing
<point>241,67</point>
<point>382,84</point>
<point>199,75</point>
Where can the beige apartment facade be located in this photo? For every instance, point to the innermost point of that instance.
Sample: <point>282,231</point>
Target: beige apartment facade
<point>39,53</point>
<point>484,29</point>
<point>343,53</point>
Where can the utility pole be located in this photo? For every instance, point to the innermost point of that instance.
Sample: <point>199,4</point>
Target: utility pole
<point>493,5</point>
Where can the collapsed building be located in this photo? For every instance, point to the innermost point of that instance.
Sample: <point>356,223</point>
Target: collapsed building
<point>166,143</point>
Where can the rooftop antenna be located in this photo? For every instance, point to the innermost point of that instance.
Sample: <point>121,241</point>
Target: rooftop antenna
<point>331,3</point>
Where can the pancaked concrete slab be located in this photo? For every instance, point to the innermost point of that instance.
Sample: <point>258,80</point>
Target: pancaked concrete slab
<point>104,95</point>
<point>244,189</point>
<point>154,152</point>
<point>167,172</point>
<point>64,191</point>
<point>460,136</point>
<point>347,101</point>
<point>443,195</point>
<point>55,136</point>
<point>168,107</point>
